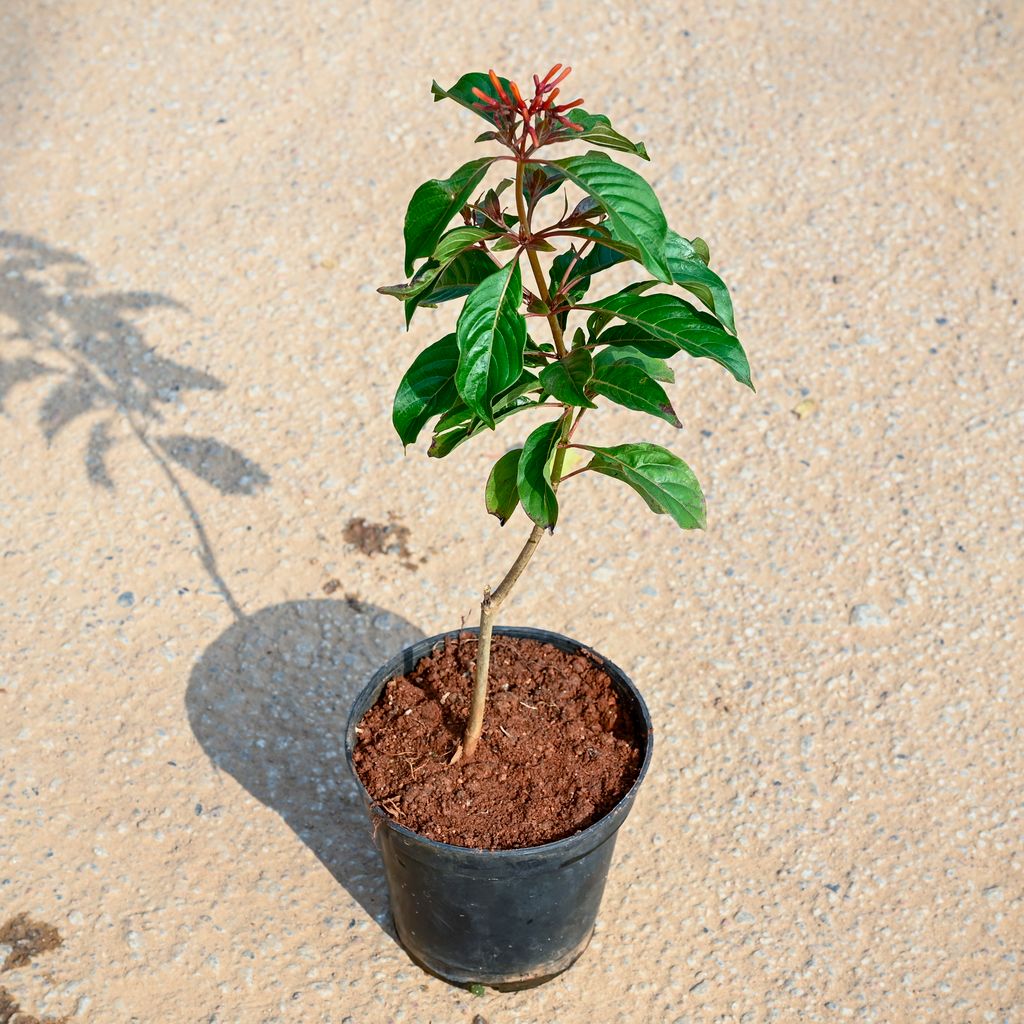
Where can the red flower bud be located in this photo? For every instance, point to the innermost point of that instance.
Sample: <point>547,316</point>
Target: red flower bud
<point>553,71</point>
<point>496,82</point>
<point>489,100</point>
<point>560,78</point>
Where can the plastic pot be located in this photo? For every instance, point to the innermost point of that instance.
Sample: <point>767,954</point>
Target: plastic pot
<point>503,918</point>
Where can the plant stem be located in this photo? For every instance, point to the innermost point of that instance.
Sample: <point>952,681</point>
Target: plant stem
<point>531,255</point>
<point>488,609</point>
<point>493,600</point>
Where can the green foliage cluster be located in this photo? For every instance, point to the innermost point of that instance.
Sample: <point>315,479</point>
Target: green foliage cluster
<point>493,366</point>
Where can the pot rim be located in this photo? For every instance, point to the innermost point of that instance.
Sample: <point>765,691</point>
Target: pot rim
<point>390,669</point>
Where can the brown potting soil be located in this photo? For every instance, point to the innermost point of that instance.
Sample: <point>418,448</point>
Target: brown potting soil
<point>559,746</point>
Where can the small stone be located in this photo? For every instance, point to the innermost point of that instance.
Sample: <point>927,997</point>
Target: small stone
<point>869,340</point>
<point>744,917</point>
<point>126,600</point>
<point>868,615</point>
<point>701,986</point>
<point>993,893</point>
<point>805,408</point>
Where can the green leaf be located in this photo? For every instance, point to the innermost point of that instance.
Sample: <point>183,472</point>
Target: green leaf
<point>462,92</point>
<point>505,243</point>
<point>634,388</point>
<point>634,213</point>
<point>407,290</point>
<point>492,337</point>
<point>501,494</point>
<point>700,247</point>
<point>692,273</point>
<point>457,240</point>
<point>687,264</point>
<point>527,382</point>
<point>459,424</point>
<point>602,235</point>
<point>458,278</point>
<point>601,257</point>
<point>674,322</point>
<point>597,320</point>
<point>656,368</point>
<point>534,476</point>
<point>510,400</point>
<point>662,479</point>
<point>565,380</point>
<point>427,389</point>
<point>631,338</point>
<point>598,129</point>
<point>434,204</point>
<point>433,274</point>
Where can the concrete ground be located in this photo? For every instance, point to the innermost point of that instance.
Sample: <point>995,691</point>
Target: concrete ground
<point>197,202</point>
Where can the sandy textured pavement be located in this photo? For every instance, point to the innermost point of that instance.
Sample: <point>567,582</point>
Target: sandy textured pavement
<point>197,202</point>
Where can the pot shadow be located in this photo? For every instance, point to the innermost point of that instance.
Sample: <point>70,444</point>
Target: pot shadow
<point>268,702</point>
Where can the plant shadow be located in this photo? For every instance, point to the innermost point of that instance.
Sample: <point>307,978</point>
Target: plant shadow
<point>268,702</point>
<point>59,329</point>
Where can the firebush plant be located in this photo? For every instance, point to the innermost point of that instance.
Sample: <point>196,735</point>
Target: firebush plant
<point>493,367</point>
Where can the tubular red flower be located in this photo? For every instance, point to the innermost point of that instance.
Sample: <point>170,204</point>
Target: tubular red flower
<point>489,100</point>
<point>553,71</point>
<point>496,82</point>
<point>560,78</point>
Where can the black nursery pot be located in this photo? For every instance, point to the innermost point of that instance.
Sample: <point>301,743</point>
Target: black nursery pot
<point>504,918</point>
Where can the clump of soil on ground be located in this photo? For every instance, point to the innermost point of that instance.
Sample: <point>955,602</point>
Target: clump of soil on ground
<point>390,538</point>
<point>28,938</point>
<point>559,747</point>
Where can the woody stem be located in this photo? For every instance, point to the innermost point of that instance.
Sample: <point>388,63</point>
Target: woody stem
<point>488,609</point>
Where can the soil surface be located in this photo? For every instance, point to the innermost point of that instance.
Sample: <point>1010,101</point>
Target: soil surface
<point>558,748</point>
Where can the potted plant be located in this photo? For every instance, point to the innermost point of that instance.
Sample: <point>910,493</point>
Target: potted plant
<point>496,818</point>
